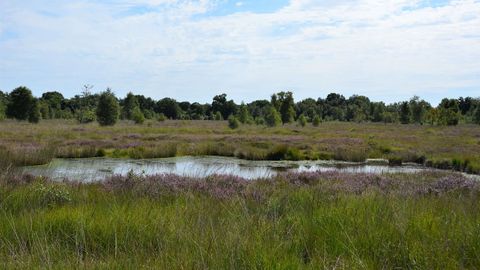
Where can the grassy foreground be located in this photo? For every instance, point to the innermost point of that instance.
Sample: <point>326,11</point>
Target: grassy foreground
<point>447,147</point>
<point>310,220</point>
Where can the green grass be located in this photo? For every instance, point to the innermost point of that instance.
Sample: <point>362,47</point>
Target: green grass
<point>61,226</point>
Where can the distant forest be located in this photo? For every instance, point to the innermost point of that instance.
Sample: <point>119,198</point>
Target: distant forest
<point>106,108</point>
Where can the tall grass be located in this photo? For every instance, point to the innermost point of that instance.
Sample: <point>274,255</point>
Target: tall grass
<point>297,221</point>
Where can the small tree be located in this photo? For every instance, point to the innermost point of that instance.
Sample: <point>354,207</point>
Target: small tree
<point>273,118</point>
<point>233,122</point>
<point>138,116</point>
<point>34,114</point>
<point>108,109</point>
<point>302,120</point>
<point>316,120</point>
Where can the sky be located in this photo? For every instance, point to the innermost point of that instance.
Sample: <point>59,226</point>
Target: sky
<point>248,49</point>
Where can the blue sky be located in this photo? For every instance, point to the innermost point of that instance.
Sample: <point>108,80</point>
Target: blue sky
<point>193,50</point>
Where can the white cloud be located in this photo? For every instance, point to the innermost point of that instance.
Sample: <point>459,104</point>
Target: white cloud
<point>385,49</point>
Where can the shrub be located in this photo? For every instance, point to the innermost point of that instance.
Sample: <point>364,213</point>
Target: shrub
<point>108,109</point>
<point>316,120</point>
<point>395,161</point>
<point>161,117</point>
<point>137,116</point>
<point>218,116</point>
<point>51,195</point>
<point>233,122</point>
<point>260,121</point>
<point>86,116</point>
<point>302,120</point>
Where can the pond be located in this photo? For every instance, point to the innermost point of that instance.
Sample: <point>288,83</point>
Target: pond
<point>95,169</point>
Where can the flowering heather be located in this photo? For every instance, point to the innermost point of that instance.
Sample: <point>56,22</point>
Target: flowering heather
<point>225,186</point>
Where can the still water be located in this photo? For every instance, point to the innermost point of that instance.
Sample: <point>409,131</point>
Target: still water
<point>95,169</point>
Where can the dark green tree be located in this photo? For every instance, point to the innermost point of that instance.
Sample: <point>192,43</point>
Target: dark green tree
<point>404,113</point>
<point>34,113</point>
<point>21,103</point>
<point>170,108</point>
<point>284,103</point>
<point>107,109</point>
<point>226,108</point>
<point>51,105</point>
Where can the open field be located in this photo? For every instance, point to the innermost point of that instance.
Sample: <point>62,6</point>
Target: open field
<point>455,147</point>
<point>311,221</point>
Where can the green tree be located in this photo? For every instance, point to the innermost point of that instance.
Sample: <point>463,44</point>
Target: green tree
<point>287,110</point>
<point>130,103</point>
<point>107,109</point>
<point>233,122</point>
<point>170,108</point>
<point>448,117</point>
<point>34,113</point>
<point>21,103</point>
<point>244,115</point>
<point>418,109</point>
<point>273,118</point>
<point>302,120</point>
<point>51,105</point>
<point>404,113</point>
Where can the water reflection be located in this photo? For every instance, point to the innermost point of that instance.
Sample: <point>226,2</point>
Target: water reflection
<point>87,170</point>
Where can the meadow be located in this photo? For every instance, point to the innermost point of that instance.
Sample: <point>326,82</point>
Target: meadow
<point>292,221</point>
<point>446,147</point>
<point>314,220</point>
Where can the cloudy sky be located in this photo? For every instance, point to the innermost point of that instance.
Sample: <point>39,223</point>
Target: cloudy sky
<point>192,50</point>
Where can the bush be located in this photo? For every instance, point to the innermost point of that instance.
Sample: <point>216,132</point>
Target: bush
<point>108,109</point>
<point>218,116</point>
<point>161,117</point>
<point>233,122</point>
<point>86,116</point>
<point>316,120</point>
<point>137,116</point>
<point>51,195</point>
<point>260,121</point>
<point>302,120</point>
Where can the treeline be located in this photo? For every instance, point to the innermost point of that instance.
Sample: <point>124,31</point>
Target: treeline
<point>106,108</point>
